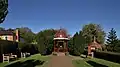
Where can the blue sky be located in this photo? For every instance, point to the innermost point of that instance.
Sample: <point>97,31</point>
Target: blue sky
<point>69,14</point>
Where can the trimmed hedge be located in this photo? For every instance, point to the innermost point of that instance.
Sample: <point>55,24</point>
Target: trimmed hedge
<point>8,46</point>
<point>16,48</point>
<point>30,48</point>
<point>110,56</point>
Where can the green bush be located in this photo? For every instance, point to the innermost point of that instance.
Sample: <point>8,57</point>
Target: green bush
<point>8,46</point>
<point>25,47</point>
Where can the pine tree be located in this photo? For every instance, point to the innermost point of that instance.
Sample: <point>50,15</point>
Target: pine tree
<point>112,39</point>
<point>77,44</point>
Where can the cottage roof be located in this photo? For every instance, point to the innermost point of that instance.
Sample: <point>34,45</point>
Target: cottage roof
<point>6,32</point>
<point>95,44</point>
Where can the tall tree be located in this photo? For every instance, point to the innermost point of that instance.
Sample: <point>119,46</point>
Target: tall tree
<point>93,30</point>
<point>26,34</point>
<point>3,9</point>
<point>45,40</point>
<point>112,39</point>
<point>77,44</point>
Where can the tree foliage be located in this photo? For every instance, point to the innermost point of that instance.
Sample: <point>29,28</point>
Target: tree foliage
<point>3,9</point>
<point>80,40</point>
<point>26,34</point>
<point>45,41</point>
<point>77,44</point>
<point>91,30</point>
<point>27,47</point>
<point>112,40</point>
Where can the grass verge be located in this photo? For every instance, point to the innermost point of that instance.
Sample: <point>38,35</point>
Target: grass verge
<point>33,61</point>
<point>94,62</point>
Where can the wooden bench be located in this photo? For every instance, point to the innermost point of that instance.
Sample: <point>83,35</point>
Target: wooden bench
<point>7,57</point>
<point>12,56</point>
<point>24,55</point>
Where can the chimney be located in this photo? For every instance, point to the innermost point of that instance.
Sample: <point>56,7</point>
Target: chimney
<point>17,35</point>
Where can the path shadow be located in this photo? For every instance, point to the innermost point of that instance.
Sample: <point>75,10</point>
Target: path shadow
<point>28,63</point>
<point>94,64</point>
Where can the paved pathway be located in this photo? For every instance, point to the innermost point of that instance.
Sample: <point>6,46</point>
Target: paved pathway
<point>60,61</point>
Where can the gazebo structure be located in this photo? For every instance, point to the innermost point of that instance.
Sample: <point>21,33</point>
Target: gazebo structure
<point>61,41</point>
<point>92,47</point>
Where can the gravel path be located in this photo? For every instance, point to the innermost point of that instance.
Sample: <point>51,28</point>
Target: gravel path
<point>60,61</point>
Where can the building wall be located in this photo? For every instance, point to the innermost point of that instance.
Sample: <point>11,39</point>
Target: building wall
<point>9,37</point>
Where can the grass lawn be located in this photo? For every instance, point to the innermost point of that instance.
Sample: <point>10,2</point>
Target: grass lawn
<point>94,62</point>
<point>33,61</point>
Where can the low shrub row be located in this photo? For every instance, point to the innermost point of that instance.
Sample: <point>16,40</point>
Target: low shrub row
<point>26,47</point>
<point>16,48</point>
<point>110,56</point>
<point>8,46</point>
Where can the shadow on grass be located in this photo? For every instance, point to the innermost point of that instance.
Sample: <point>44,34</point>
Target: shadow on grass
<point>94,64</point>
<point>84,56</point>
<point>28,63</point>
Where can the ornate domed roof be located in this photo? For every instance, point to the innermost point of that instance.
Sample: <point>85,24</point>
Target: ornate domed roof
<point>60,34</point>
